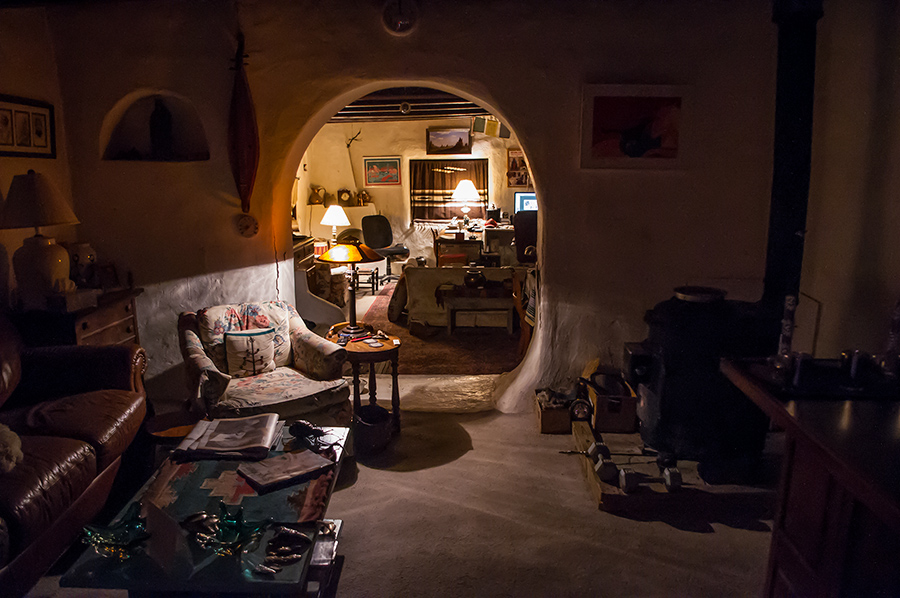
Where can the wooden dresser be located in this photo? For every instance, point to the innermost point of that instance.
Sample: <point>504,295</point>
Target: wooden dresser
<point>837,526</point>
<point>112,322</point>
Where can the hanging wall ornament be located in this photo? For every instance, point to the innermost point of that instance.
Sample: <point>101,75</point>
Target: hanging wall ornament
<point>243,135</point>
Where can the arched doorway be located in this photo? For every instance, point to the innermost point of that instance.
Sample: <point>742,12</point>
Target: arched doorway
<point>391,127</point>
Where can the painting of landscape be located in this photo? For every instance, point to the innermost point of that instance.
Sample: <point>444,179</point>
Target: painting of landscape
<point>448,141</point>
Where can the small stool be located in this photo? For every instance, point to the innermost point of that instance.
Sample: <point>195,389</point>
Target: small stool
<point>367,277</point>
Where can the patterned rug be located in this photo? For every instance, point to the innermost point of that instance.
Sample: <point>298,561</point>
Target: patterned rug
<point>467,351</point>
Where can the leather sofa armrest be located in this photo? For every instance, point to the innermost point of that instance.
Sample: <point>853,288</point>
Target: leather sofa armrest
<point>316,357</point>
<point>54,372</point>
<point>4,543</point>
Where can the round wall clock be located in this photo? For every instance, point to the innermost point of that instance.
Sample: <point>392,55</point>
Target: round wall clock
<point>400,16</point>
<point>247,225</point>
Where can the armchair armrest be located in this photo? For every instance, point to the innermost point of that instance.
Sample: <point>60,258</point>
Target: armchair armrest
<point>316,357</point>
<point>206,383</point>
<point>54,372</point>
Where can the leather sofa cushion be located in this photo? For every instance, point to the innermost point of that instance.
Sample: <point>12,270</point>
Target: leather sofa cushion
<point>10,363</point>
<point>53,474</point>
<point>107,420</point>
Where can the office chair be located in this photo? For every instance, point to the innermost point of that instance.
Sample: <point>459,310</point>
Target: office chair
<point>525,227</point>
<point>378,235</point>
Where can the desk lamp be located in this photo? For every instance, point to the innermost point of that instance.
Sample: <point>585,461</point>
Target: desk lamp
<point>351,253</point>
<point>41,266</point>
<point>335,217</point>
<point>466,193</point>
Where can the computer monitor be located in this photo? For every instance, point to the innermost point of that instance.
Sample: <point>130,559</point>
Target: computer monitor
<point>526,201</point>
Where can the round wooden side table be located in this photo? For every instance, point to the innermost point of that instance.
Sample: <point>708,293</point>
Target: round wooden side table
<point>359,352</point>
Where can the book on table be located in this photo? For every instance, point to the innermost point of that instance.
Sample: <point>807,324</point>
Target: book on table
<point>283,470</point>
<point>248,438</point>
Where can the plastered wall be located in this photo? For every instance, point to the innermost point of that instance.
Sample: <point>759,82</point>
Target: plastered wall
<point>333,166</point>
<point>613,242</point>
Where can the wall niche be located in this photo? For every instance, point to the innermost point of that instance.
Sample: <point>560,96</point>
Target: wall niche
<point>159,128</point>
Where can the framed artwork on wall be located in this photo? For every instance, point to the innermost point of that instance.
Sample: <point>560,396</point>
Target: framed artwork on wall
<point>516,169</point>
<point>444,140</point>
<point>27,128</point>
<point>382,171</point>
<point>632,126</point>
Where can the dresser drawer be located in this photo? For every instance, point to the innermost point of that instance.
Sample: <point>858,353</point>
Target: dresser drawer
<point>108,325</point>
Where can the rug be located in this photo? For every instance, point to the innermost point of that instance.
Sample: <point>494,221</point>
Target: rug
<point>466,351</point>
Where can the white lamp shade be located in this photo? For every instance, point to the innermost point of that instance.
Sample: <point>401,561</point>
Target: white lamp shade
<point>335,216</point>
<point>465,192</point>
<point>34,201</point>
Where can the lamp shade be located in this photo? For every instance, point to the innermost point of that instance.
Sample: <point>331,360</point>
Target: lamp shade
<point>465,192</point>
<point>34,201</point>
<point>335,216</point>
<point>350,253</point>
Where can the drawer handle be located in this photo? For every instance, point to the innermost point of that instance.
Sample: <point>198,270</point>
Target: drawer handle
<point>84,325</point>
<point>127,307</point>
<point>129,329</point>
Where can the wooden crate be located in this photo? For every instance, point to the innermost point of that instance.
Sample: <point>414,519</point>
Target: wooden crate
<point>552,419</point>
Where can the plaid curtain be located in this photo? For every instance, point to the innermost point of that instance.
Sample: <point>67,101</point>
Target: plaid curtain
<point>432,183</point>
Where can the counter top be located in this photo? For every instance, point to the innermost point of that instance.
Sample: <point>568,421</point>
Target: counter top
<point>859,437</point>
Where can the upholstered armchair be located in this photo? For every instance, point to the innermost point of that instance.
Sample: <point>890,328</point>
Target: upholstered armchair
<point>249,358</point>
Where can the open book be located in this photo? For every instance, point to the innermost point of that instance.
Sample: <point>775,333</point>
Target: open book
<point>238,438</point>
<point>283,470</point>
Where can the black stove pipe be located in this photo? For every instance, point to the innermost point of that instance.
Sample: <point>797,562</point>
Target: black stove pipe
<point>796,20</point>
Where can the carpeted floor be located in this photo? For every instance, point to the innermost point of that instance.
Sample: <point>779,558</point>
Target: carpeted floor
<point>467,351</point>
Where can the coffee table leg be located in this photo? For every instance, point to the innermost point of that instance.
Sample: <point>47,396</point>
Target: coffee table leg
<point>356,402</point>
<point>372,383</point>
<point>395,394</point>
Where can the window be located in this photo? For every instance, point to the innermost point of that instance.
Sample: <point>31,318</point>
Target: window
<point>432,183</point>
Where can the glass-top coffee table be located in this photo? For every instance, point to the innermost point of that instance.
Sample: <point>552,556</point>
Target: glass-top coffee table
<point>170,563</point>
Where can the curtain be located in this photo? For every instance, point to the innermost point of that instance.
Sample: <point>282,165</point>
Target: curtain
<point>432,183</point>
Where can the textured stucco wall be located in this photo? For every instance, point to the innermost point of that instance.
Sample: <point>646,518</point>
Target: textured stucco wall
<point>330,161</point>
<point>613,242</point>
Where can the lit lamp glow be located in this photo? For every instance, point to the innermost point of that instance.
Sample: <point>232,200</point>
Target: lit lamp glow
<point>351,253</point>
<point>41,266</point>
<point>335,217</point>
<point>466,193</point>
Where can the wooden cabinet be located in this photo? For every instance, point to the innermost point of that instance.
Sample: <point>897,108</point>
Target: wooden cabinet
<point>837,526</point>
<point>112,322</point>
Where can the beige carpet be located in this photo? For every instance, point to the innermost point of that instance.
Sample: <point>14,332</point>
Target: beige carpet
<point>479,504</point>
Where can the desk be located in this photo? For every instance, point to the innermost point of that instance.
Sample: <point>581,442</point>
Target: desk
<point>358,353</point>
<point>837,525</point>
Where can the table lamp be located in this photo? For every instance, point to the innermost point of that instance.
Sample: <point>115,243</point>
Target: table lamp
<point>41,266</point>
<point>351,253</point>
<point>335,217</point>
<point>466,193</point>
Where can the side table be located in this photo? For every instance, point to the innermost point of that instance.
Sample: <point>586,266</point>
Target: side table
<point>358,352</point>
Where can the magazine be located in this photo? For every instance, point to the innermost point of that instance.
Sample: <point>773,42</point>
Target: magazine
<point>283,470</point>
<point>236,438</point>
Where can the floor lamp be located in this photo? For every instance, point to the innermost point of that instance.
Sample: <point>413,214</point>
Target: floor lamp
<point>351,253</point>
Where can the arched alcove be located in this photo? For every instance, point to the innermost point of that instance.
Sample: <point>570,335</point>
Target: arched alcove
<point>159,126</point>
<point>511,386</point>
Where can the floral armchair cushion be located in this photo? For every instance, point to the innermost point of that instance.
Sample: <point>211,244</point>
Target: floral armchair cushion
<point>308,366</point>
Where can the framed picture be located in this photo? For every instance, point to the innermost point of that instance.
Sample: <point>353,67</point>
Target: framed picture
<point>440,140</point>
<point>632,126</point>
<point>27,128</point>
<point>516,169</point>
<point>382,171</point>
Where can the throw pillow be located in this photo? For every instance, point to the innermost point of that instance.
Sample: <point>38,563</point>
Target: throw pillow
<point>10,449</point>
<point>250,352</point>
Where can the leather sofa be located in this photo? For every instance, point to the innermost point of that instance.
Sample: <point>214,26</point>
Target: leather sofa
<point>76,410</point>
